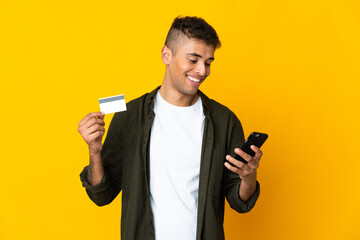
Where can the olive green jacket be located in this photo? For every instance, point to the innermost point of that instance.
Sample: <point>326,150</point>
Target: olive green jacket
<point>125,157</point>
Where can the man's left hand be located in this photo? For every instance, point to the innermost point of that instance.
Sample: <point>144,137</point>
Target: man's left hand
<point>247,172</point>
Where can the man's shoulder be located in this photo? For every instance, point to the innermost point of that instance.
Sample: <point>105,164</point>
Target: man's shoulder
<point>216,108</point>
<point>146,98</point>
<point>137,107</point>
<point>135,103</point>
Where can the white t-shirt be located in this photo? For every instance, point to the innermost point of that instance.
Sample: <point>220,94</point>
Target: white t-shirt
<point>175,152</point>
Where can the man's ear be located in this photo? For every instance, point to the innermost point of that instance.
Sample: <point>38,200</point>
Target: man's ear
<point>166,55</point>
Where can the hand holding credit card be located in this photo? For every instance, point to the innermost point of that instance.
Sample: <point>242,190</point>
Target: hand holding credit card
<point>112,104</point>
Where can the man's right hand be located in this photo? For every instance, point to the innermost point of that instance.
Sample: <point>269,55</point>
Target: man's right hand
<point>91,128</point>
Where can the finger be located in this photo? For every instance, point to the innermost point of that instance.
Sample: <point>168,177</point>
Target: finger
<point>236,170</point>
<point>258,152</point>
<point>83,130</point>
<point>243,154</point>
<point>95,135</point>
<point>93,121</point>
<point>87,117</point>
<point>253,164</point>
<point>93,129</point>
<point>91,115</point>
<point>237,163</point>
<point>102,116</point>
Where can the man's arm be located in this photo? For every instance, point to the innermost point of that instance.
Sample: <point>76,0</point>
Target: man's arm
<point>247,172</point>
<point>91,128</point>
<point>102,177</point>
<point>96,169</point>
<point>241,192</point>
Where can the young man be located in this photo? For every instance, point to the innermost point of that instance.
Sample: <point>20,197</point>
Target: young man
<point>167,152</point>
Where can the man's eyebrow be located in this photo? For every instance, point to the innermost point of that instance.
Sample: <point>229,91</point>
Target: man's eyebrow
<point>197,55</point>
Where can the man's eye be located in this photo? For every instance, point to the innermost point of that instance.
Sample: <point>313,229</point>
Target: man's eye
<point>192,60</point>
<point>208,64</point>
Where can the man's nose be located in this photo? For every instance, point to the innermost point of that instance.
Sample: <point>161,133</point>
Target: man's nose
<point>201,69</point>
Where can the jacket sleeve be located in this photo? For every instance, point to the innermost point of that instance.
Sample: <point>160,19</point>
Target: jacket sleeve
<point>232,181</point>
<point>110,186</point>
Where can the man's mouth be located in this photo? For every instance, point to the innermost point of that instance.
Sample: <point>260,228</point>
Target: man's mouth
<point>196,80</point>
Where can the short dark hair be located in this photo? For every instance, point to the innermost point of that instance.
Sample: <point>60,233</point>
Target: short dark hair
<point>193,28</point>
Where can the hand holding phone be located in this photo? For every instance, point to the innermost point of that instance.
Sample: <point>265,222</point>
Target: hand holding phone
<point>255,138</point>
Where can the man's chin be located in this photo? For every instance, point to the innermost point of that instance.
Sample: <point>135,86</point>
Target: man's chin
<point>192,91</point>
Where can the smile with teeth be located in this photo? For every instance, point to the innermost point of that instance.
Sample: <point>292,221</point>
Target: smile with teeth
<point>193,79</point>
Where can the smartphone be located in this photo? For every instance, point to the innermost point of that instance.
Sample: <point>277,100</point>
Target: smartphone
<point>256,139</point>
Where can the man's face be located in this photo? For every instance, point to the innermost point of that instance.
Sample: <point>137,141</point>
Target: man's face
<point>190,65</point>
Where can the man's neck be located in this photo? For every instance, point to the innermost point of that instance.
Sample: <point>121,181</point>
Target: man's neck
<point>176,98</point>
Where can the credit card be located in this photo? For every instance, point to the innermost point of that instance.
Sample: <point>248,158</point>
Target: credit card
<point>112,104</point>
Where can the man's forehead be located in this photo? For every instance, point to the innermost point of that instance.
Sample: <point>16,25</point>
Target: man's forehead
<point>196,48</point>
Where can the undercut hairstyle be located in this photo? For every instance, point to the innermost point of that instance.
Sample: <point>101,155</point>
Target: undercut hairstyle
<point>193,28</point>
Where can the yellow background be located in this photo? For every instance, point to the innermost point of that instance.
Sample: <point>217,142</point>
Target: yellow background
<point>287,68</point>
